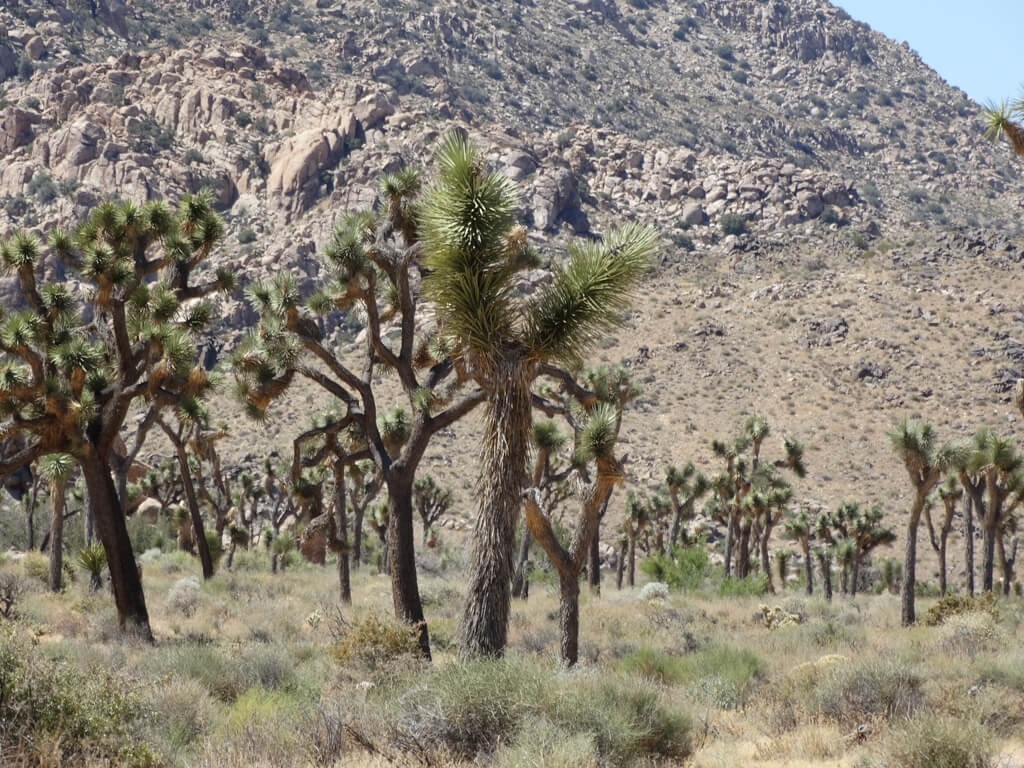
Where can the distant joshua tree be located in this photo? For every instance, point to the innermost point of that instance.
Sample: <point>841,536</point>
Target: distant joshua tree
<point>915,442</point>
<point>863,528</point>
<point>950,493</point>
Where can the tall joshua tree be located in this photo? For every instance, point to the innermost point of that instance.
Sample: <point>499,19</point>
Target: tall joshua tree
<point>373,268</point>
<point>915,442</point>
<point>67,384</point>
<point>474,250</point>
<point>595,442</point>
<point>57,468</point>
<point>800,527</point>
<point>949,493</point>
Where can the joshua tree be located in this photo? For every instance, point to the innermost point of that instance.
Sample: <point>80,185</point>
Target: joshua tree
<point>914,441</point>
<point>67,385</point>
<point>996,460</point>
<point>1008,550</point>
<point>973,481</point>
<point>846,553</point>
<point>684,487</point>
<point>949,492</point>
<point>890,571</point>
<point>432,502</point>
<point>823,554</point>
<point>549,478</point>
<point>596,436</point>
<point>189,414</point>
<point>474,249</point>
<point>1004,120</point>
<point>637,519</point>
<point>752,496</point>
<point>800,527</point>
<point>863,528</point>
<point>57,468</point>
<point>782,558</point>
<point>93,559</point>
<point>373,265</point>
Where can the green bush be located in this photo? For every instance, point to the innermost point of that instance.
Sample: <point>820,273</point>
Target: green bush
<point>684,568</point>
<point>46,702</point>
<point>246,236</point>
<point>937,741</point>
<point>955,605</point>
<point>375,641</point>
<point>754,585</point>
<point>721,675</point>
<point>866,688</point>
<point>465,710</point>
<point>732,224</point>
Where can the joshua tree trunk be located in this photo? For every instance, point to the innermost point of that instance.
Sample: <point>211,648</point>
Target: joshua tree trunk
<point>808,569</point>
<point>569,617</point>
<point>766,562</point>
<point>910,564</point>
<point>728,544</point>
<point>969,541</point>
<point>340,516</point>
<point>193,507</point>
<point>357,536</point>
<point>401,548</point>
<point>594,562</point>
<point>743,561</point>
<point>630,577</point>
<point>988,558</point>
<point>507,419</point>
<point>113,533</point>
<point>943,535</point>
<point>520,581</point>
<point>826,577</point>
<point>855,574</point>
<point>57,488</point>
<point>620,565</point>
<point>1006,561</point>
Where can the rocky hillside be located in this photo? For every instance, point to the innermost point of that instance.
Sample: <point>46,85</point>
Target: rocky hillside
<point>840,246</point>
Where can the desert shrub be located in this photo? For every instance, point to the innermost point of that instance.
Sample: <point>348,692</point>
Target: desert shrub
<point>467,709</point>
<point>655,590</point>
<point>182,712</point>
<point>866,688</point>
<point>720,675</point>
<point>682,240</point>
<point>215,545</point>
<point>246,236</point>
<point>374,641</point>
<point>541,742</point>
<point>732,224</point>
<point>684,568</point>
<point>1006,670</point>
<point>968,634</point>
<point>955,605</point>
<point>60,714</point>
<point>193,155</point>
<point>183,597</point>
<point>145,535</point>
<point>936,741</point>
<point>11,590</point>
<point>830,215</point>
<point>42,188</point>
<point>754,585</point>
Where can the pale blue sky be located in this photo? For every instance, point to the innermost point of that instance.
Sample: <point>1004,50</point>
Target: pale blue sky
<point>973,44</point>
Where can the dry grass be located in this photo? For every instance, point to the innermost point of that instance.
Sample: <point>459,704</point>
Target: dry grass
<point>247,677</point>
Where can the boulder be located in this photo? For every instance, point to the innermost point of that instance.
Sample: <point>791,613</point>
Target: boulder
<point>149,509</point>
<point>15,128</point>
<point>554,192</point>
<point>694,215</point>
<point>77,144</point>
<point>35,48</point>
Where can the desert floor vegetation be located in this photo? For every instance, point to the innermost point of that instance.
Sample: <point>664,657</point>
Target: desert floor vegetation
<point>255,668</point>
